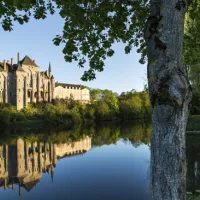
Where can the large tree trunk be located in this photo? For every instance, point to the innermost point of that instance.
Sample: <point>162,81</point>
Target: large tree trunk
<point>170,94</point>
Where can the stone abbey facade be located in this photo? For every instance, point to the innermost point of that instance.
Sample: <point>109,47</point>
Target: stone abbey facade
<point>23,83</point>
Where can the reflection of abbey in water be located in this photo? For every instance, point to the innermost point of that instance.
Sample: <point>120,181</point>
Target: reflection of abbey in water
<point>24,163</point>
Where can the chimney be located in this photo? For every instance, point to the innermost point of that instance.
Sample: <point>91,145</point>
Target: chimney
<point>4,64</point>
<point>8,61</point>
<point>34,60</point>
<point>12,61</point>
<point>18,57</point>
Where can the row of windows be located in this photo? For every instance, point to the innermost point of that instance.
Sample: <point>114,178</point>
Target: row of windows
<point>75,88</point>
<point>28,93</point>
<point>35,94</point>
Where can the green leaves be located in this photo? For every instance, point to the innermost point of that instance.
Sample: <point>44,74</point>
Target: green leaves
<point>57,40</point>
<point>191,44</point>
<point>110,53</point>
<point>97,25</point>
<point>21,10</point>
<point>91,26</point>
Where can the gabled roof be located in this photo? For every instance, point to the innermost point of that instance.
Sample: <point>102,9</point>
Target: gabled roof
<point>27,61</point>
<point>68,85</point>
<point>28,186</point>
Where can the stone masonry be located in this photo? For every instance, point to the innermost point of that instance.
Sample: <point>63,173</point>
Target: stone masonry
<point>23,83</point>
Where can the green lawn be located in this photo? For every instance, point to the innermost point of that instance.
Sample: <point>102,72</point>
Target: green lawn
<point>193,123</point>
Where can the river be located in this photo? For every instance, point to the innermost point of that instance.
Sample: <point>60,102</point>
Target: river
<point>93,163</point>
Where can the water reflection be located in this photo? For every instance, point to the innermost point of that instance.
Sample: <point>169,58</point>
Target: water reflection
<point>115,165</point>
<point>24,162</point>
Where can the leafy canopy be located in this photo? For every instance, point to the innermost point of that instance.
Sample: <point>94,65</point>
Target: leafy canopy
<point>91,26</point>
<point>191,54</point>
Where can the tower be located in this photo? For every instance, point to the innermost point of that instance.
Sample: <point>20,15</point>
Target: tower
<point>52,87</point>
<point>49,70</point>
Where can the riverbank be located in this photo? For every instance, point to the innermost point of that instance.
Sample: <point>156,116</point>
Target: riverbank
<point>193,124</point>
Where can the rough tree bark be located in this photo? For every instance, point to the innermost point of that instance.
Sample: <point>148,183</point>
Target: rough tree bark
<point>170,94</point>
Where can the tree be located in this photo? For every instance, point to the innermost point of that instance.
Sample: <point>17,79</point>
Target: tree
<point>95,94</point>
<point>134,105</point>
<point>90,29</point>
<point>191,54</point>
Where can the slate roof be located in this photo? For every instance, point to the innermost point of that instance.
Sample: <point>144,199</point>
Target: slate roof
<point>28,186</point>
<point>68,85</point>
<point>27,61</point>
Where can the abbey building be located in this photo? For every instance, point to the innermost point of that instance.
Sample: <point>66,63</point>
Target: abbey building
<point>23,83</point>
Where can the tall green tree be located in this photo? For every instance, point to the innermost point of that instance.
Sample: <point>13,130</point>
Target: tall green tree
<point>156,27</point>
<point>95,94</point>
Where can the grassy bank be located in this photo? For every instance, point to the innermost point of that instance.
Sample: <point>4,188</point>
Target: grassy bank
<point>193,123</point>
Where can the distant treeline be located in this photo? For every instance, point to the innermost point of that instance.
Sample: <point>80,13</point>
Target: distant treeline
<point>104,106</point>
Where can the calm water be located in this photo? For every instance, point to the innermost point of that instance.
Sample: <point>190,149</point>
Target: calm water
<point>108,162</point>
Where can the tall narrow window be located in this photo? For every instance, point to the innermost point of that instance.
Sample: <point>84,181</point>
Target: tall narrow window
<point>29,94</point>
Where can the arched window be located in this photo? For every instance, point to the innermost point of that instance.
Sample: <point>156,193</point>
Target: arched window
<point>41,94</point>
<point>35,94</point>
<point>29,94</point>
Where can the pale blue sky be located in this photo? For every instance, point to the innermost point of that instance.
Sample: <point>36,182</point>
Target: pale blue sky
<point>122,72</point>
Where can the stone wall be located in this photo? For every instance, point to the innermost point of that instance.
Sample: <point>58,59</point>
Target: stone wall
<point>77,93</point>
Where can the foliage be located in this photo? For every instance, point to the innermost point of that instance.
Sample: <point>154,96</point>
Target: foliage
<point>91,26</point>
<point>106,107</point>
<point>191,55</point>
<point>103,134</point>
<point>95,94</point>
<point>193,123</point>
<point>134,105</point>
<point>193,197</point>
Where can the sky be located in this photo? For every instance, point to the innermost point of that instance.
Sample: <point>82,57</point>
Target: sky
<point>122,71</point>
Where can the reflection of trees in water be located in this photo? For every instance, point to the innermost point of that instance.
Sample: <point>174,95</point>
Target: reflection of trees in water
<point>105,134</point>
<point>137,133</point>
<point>46,135</point>
<point>193,166</point>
